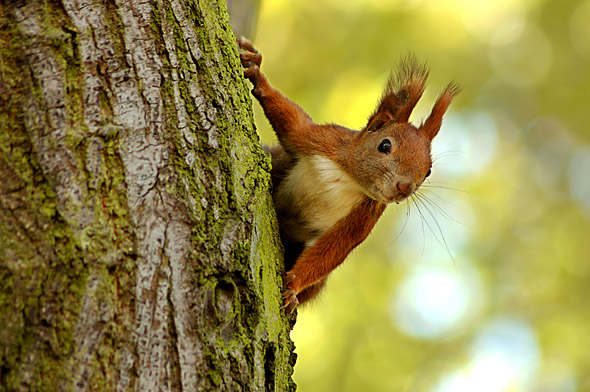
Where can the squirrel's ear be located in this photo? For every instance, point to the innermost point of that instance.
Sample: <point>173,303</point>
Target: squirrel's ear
<point>432,124</point>
<point>410,82</point>
<point>385,112</point>
<point>402,92</point>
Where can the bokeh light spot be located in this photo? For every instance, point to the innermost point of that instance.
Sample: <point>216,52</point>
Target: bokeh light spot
<point>465,145</point>
<point>525,61</point>
<point>579,179</point>
<point>491,20</point>
<point>551,146</point>
<point>432,302</point>
<point>505,357</point>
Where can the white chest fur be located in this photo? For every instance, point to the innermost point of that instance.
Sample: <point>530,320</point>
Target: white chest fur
<point>321,192</point>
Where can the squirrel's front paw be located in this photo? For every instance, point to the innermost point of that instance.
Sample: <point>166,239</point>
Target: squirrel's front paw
<point>290,292</point>
<point>249,56</point>
<point>290,300</point>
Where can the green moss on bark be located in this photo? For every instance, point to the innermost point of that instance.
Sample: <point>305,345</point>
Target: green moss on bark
<point>244,198</point>
<point>56,277</point>
<point>44,264</point>
<point>41,270</point>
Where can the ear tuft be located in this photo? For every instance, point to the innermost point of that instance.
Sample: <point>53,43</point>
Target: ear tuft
<point>401,94</point>
<point>409,71</point>
<point>432,124</point>
<point>410,81</point>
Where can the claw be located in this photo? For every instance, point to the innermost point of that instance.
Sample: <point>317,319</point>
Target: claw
<point>290,292</point>
<point>245,44</point>
<point>291,300</point>
<point>249,56</point>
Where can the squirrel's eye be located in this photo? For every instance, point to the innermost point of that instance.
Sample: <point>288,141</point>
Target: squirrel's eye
<point>385,146</point>
<point>428,173</point>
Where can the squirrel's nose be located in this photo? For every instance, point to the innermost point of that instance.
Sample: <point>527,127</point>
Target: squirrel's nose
<point>405,188</point>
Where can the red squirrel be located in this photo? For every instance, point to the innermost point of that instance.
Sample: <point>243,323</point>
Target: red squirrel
<point>331,184</point>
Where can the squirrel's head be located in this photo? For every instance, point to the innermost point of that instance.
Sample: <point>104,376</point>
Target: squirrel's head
<point>392,156</point>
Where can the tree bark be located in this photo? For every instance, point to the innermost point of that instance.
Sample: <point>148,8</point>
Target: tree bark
<point>139,243</point>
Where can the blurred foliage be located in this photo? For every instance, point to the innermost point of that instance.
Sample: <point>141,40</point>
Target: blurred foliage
<point>481,283</point>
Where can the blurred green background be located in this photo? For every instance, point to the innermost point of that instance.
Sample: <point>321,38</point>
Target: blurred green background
<point>484,285</point>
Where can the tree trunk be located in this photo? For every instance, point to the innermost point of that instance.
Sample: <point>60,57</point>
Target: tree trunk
<point>139,243</point>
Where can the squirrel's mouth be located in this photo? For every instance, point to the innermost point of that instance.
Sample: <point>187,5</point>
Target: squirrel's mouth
<point>385,198</point>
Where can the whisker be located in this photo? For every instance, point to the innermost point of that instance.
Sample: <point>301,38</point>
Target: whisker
<point>438,208</point>
<point>403,226</point>
<point>433,185</point>
<point>446,154</point>
<point>422,220</point>
<point>441,240</point>
<point>439,197</point>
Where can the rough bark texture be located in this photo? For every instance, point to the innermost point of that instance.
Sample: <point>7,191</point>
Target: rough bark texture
<point>139,244</point>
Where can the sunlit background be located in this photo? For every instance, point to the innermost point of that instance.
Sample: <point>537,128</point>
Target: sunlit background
<point>482,283</point>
